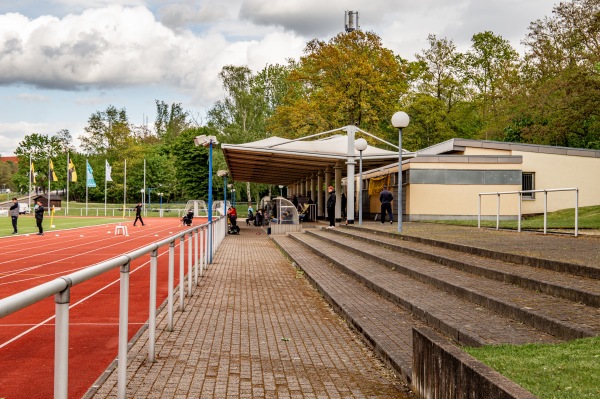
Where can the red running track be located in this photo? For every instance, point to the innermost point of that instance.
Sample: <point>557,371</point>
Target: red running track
<point>27,336</point>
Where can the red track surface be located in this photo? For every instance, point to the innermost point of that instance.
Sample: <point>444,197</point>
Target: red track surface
<point>27,337</point>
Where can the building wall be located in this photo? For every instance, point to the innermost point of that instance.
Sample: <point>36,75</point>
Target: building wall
<point>562,171</point>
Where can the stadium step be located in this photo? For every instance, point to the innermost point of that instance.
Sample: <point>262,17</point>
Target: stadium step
<point>577,288</point>
<point>559,317</point>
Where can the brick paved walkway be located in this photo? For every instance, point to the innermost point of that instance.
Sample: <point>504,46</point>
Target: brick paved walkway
<point>254,328</point>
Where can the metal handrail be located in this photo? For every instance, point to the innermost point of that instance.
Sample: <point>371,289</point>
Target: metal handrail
<point>520,193</point>
<point>60,288</point>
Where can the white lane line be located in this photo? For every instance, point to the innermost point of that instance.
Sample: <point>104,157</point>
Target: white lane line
<point>36,326</point>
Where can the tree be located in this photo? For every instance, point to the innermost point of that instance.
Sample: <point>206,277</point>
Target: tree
<point>441,77</point>
<point>490,65</point>
<point>108,132</point>
<point>191,168</point>
<point>352,79</point>
<point>170,122</point>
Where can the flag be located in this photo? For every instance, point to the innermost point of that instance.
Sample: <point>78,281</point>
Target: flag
<point>51,174</point>
<point>32,173</point>
<point>90,175</point>
<point>108,171</point>
<point>72,172</point>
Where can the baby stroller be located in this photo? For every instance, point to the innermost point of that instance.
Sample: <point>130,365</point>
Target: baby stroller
<point>233,230</point>
<point>187,219</point>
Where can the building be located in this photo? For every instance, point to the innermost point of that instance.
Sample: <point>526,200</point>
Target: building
<point>444,181</point>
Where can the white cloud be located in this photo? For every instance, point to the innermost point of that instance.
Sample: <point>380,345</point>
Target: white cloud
<point>32,97</point>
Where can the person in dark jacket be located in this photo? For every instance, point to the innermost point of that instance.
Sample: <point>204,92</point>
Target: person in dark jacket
<point>14,214</point>
<point>138,214</point>
<point>386,198</point>
<point>331,207</point>
<point>39,218</point>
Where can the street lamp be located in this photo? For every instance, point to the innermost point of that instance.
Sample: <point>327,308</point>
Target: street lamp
<point>360,145</point>
<point>160,195</point>
<point>142,191</point>
<point>281,190</point>
<point>208,141</point>
<point>400,120</point>
<point>223,174</point>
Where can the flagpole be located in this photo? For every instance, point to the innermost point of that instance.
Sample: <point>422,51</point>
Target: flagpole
<point>30,179</point>
<point>144,194</point>
<point>105,183</point>
<point>124,188</point>
<point>87,179</point>
<point>49,178</point>
<point>67,183</point>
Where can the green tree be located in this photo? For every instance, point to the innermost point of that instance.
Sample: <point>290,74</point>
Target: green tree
<point>170,121</point>
<point>191,167</point>
<point>490,66</point>
<point>108,132</point>
<point>352,79</point>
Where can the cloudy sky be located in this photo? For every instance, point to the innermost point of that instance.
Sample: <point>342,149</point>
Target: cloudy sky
<point>62,60</point>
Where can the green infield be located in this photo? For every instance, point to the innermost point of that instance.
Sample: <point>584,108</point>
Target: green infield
<point>562,371</point>
<point>26,223</point>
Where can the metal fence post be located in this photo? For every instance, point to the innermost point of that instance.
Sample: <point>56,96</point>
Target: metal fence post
<point>181,271</point>
<point>61,342</point>
<point>479,213</point>
<point>576,211</point>
<point>202,251</point>
<point>498,212</point>
<point>520,212</point>
<point>190,272</point>
<point>545,211</point>
<point>152,310</point>
<point>170,283</point>
<point>196,239</point>
<point>123,330</point>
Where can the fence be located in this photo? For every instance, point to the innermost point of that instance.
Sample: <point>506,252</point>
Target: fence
<point>203,239</point>
<point>520,193</point>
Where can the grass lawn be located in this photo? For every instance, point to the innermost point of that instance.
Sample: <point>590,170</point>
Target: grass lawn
<point>589,218</point>
<point>561,371</point>
<point>26,223</point>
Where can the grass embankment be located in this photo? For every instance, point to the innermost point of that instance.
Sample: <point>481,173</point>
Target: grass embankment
<point>589,218</point>
<point>561,371</point>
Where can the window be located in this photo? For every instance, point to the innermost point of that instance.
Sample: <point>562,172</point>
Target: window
<point>528,183</point>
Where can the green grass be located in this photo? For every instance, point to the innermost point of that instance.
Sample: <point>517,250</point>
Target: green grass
<point>26,223</point>
<point>561,371</point>
<point>589,218</point>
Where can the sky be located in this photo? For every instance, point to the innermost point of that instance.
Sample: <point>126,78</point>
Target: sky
<point>63,60</point>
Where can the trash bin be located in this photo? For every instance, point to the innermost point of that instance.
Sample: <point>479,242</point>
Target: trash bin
<point>268,231</point>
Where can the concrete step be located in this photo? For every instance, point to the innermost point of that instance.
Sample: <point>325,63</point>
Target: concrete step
<point>559,317</point>
<point>591,271</point>
<point>564,285</point>
<point>459,319</point>
<point>383,325</point>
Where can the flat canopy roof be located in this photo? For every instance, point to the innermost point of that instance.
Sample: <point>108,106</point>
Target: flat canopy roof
<point>276,160</point>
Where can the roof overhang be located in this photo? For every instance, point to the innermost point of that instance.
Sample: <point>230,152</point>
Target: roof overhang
<point>282,161</point>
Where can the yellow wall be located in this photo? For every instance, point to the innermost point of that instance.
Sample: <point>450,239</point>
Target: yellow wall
<point>562,171</point>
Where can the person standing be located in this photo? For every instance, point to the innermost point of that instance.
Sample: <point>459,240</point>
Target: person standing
<point>138,214</point>
<point>14,214</point>
<point>331,207</point>
<point>386,198</point>
<point>39,218</point>
<point>344,205</point>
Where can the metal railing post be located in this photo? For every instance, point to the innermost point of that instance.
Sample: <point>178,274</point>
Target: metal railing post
<point>196,239</point>
<point>498,212</point>
<point>520,212</point>
<point>479,213</point>
<point>190,272</point>
<point>181,272</point>
<point>152,312</point>
<point>202,251</point>
<point>123,330</point>
<point>210,234</point>
<point>61,342</point>
<point>545,211</point>
<point>171,280</point>
<point>576,212</point>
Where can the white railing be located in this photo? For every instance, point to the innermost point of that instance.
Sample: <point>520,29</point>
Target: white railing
<point>61,289</point>
<point>520,193</point>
